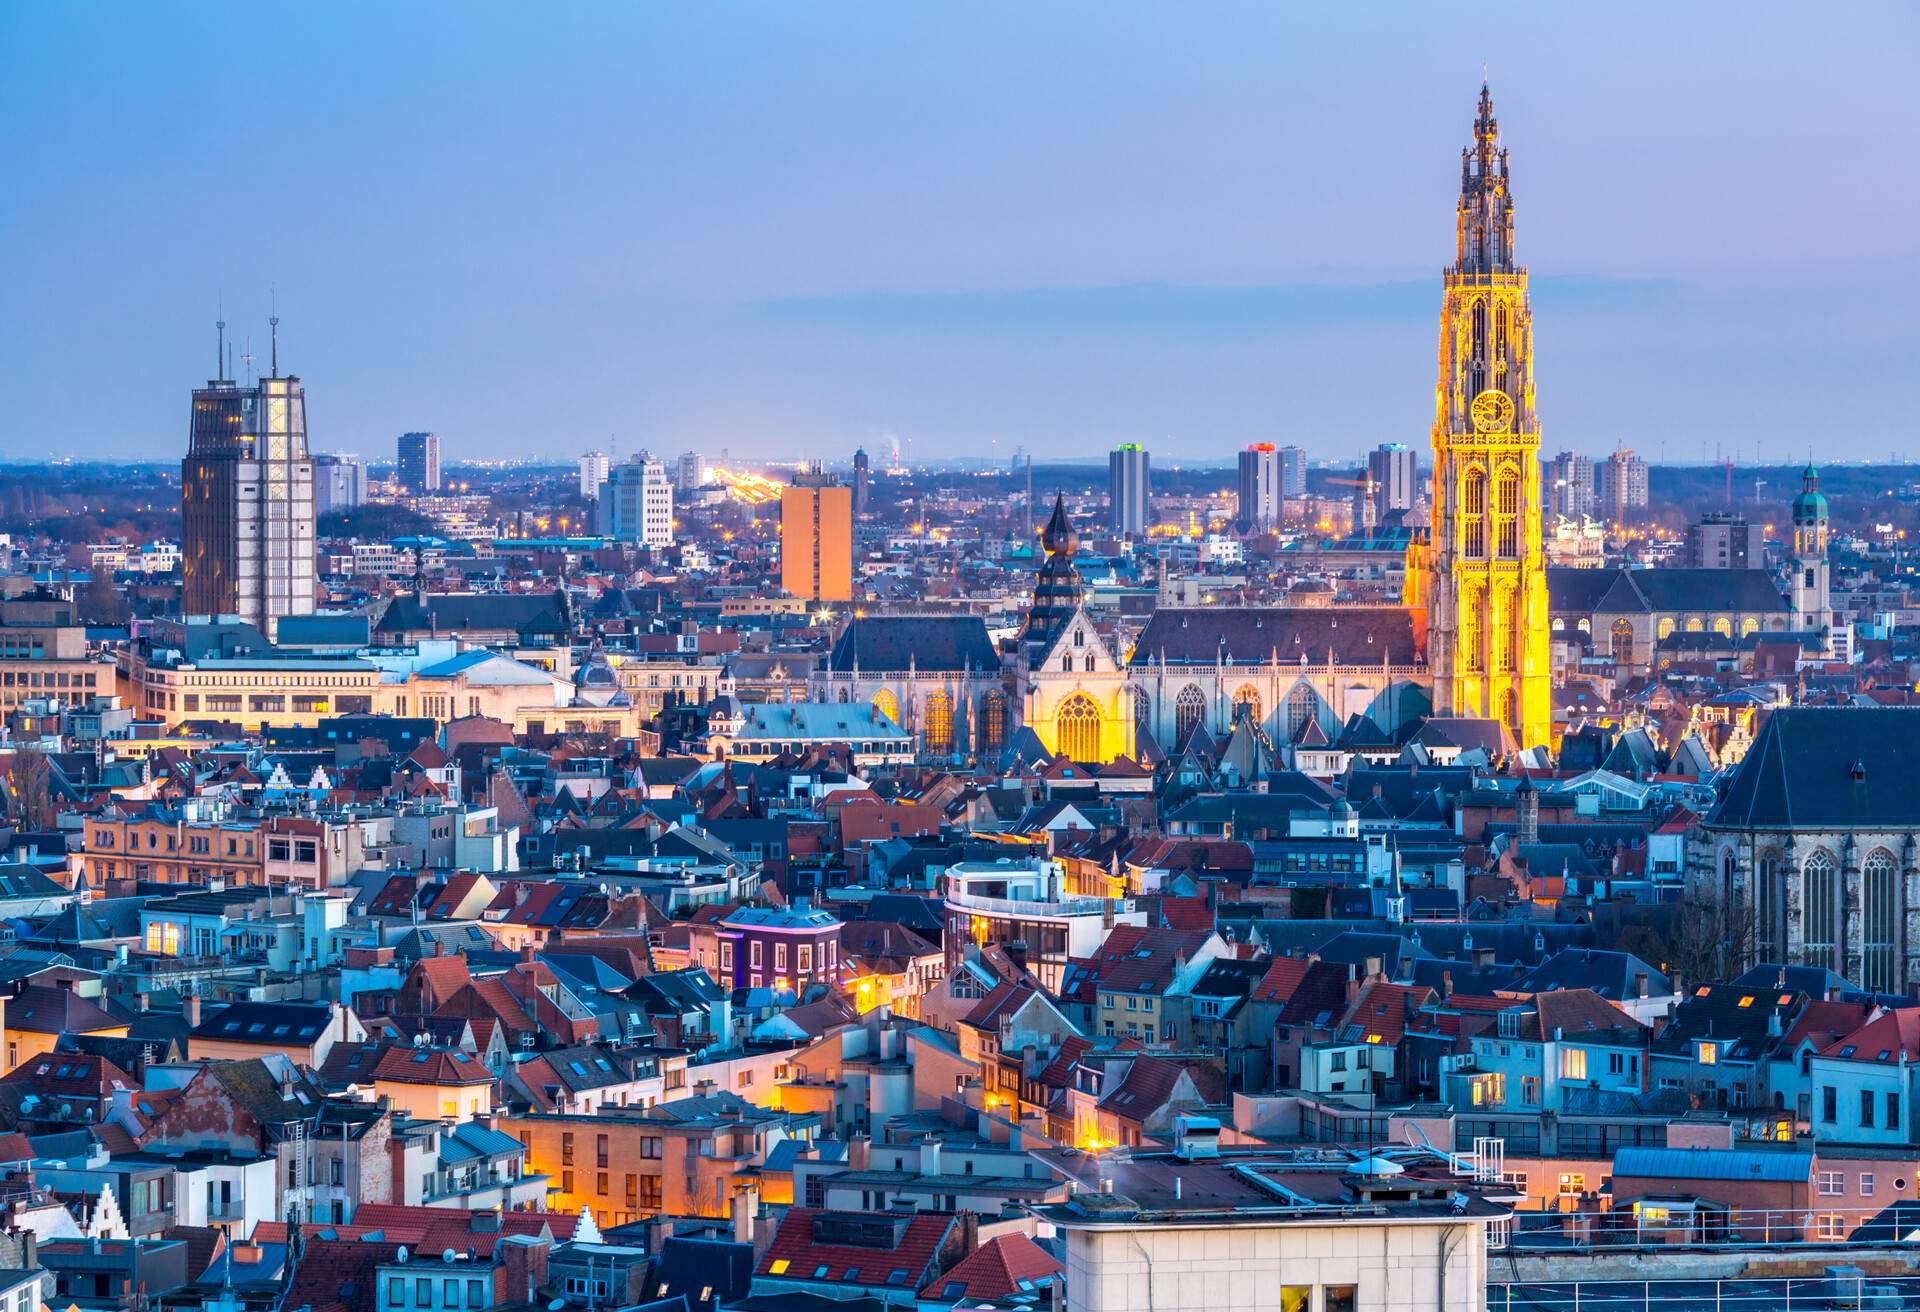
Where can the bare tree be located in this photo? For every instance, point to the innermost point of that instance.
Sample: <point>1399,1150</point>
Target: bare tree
<point>101,601</point>
<point>30,791</point>
<point>1700,940</point>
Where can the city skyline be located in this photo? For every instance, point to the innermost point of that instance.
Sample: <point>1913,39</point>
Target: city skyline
<point>1094,234</point>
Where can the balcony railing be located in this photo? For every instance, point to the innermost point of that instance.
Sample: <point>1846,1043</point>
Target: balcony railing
<point>1796,1294</point>
<point>1009,906</point>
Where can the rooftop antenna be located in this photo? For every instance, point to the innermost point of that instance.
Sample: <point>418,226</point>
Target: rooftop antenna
<point>246,358</point>
<point>220,351</point>
<point>273,324</point>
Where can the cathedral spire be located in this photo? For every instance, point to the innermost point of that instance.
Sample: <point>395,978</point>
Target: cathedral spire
<point>1484,241</point>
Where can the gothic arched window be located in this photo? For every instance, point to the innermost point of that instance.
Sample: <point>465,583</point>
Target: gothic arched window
<point>1467,657</point>
<point>1473,510</point>
<point>937,724</point>
<point>1500,631</point>
<point>1879,915</point>
<point>1621,644</point>
<point>1767,903</point>
<point>1508,502</point>
<point>1189,708</point>
<point>1077,728</point>
<point>993,720</point>
<point>1818,909</point>
<point>1507,505</point>
<point>885,703</point>
<point>1142,710</point>
<point>1249,697</point>
<point>1301,705</point>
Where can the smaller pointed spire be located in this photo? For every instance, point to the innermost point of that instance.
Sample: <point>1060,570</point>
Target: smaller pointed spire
<point>1057,537</point>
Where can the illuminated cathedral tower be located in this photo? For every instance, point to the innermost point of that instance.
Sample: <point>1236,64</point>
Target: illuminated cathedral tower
<point>1486,589</point>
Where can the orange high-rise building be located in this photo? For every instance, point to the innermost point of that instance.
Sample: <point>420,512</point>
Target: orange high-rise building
<point>816,539</point>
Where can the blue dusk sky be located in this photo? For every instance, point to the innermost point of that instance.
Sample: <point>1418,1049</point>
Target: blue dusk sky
<point>793,228</point>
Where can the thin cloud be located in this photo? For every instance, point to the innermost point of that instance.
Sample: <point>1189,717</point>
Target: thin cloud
<point>1173,305</point>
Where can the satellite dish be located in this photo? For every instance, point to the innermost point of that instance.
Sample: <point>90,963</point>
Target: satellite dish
<point>401,1256</point>
<point>448,1255</point>
<point>556,1305</point>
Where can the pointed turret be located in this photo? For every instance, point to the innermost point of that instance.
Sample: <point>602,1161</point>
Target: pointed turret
<point>1057,592</point>
<point>1058,536</point>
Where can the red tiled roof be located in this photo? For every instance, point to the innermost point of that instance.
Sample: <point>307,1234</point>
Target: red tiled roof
<point>1144,960</point>
<point>995,1270</point>
<point>1282,978</point>
<point>451,893</point>
<point>1381,1011</point>
<point>442,975</point>
<point>1323,989</point>
<point>425,1066</point>
<point>1821,1022</point>
<point>1004,1000</point>
<point>801,1257</point>
<point>337,1275</point>
<point>428,1228</point>
<point>1578,1011</point>
<point>1059,1071</point>
<point>1189,914</point>
<point>1890,1037</point>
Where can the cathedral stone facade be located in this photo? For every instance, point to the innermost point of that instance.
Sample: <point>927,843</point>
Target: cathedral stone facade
<point>1815,848</point>
<point>939,677</point>
<point>1298,674</point>
<point>1072,685</point>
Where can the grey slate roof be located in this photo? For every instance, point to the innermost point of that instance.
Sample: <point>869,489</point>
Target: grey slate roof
<point>930,643</point>
<point>1255,635</point>
<point>1649,591</point>
<point>1847,767</point>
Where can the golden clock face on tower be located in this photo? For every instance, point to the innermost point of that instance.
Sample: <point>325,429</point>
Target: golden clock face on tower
<point>1492,411</point>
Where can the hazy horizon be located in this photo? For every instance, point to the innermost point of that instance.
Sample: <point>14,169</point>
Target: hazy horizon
<point>790,231</point>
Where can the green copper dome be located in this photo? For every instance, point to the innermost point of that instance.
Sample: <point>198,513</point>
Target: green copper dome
<point>1811,504</point>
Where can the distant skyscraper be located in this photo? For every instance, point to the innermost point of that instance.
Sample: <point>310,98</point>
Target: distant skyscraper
<point>816,538</point>
<point>1127,478</point>
<point>1724,540</point>
<point>1623,485</point>
<point>594,466</point>
<point>246,502</point>
<point>1395,468</point>
<point>1293,471</point>
<point>690,471</point>
<point>420,462</point>
<point>1569,480</point>
<point>339,482</point>
<point>1259,488</point>
<point>636,503</point>
<point>861,472</point>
